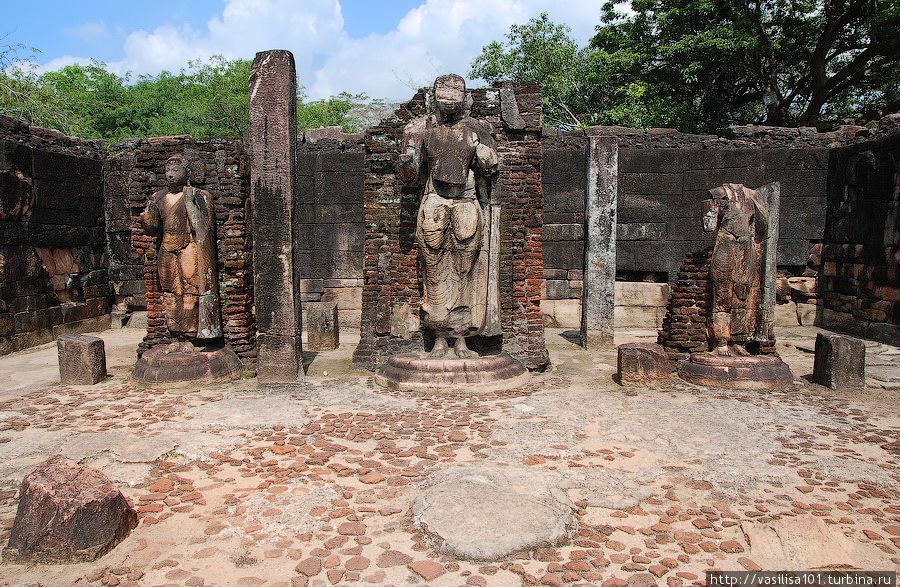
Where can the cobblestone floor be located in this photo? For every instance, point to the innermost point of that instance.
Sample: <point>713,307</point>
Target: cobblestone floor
<point>312,483</point>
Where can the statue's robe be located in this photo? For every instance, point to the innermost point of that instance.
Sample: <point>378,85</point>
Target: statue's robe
<point>186,263</point>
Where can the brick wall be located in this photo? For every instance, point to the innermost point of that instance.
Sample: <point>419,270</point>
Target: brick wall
<point>328,227</point>
<point>860,281</point>
<point>135,170</point>
<point>53,261</point>
<point>391,294</point>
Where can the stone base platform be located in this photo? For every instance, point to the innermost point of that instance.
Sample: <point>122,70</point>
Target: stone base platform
<point>753,372</point>
<point>159,365</point>
<point>414,371</point>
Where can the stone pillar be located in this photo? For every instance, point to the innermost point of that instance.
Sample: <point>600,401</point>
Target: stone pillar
<point>840,361</point>
<point>601,192</point>
<point>322,331</point>
<point>273,147</point>
<point>82,359</point>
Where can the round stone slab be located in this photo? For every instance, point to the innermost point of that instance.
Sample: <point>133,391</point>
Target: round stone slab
<point>156,366</point>
<point>754,372</point>
<point>411,371</point>
<point>474,519</point>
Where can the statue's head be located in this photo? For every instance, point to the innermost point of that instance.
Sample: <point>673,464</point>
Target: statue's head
<point>449,94</point>
<point>176,171</point>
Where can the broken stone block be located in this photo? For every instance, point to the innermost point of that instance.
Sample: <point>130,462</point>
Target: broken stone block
<point>67,513</point>
<point>840,361</point>
<point>322,326</point>
<point>82,359</point>
<point>641,362</point>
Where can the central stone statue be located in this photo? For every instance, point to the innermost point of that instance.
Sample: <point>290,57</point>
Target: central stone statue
<point>456,219</point>
<point>741,290</point>
<point>739,217</point>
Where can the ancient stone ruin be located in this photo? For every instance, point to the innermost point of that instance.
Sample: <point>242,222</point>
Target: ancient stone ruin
<point>525,300</point>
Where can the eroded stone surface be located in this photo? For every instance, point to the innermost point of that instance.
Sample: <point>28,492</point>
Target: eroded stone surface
<point>68,512</point>
<point>807,542</point>
<point>840,361</point>
<point>82,359</point>
<point>246,411</point>
<point>642,362</point>
<point>475,517</point>
<point>410,371</point>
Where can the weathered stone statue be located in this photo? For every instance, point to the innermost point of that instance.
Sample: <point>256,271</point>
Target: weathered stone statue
<point>457,233</point>
<point>457,155</point>
<point>740,218</point>
<point>183,217</point>
<point>742,290</point>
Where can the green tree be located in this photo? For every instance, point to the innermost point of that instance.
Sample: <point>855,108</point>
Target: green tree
<point>781,62</point>
<point>22,95</point>
<point>701,65</point>
<point>206,98</point>
<point>543,51</point>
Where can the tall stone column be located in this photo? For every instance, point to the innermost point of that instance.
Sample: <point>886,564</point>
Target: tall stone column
<point>601,192</point>
<point>273,146</point>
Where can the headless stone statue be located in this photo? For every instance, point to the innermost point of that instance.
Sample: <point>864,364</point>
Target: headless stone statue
<point>740,219</point>
<point>457,155</point>
<point>183,219</point>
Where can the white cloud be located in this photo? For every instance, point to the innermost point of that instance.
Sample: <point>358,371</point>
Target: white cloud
<point>60,62</point>
<point>243,28</point>
<point>437,37</point>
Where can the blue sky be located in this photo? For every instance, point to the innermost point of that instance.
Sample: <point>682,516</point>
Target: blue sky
<point>383,48</point>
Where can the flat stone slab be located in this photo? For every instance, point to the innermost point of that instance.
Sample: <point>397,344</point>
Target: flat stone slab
<point>475,518</point>
<point>412,371</point>
<point>246,412</point>
<point>159,366</point>
<point>753,372</point>
<point>786,543</point>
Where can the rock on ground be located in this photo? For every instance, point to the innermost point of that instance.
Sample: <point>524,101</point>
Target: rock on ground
<point>68,512</point>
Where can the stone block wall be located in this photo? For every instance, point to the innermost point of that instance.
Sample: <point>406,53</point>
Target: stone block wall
<point>135,170</point>
<point>859,283</point>
<point>328,220</point>
<point>53,258</point>
<point>391,294</point>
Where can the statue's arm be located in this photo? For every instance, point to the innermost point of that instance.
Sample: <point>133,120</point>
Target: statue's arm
<point>413,150</point>
<point>150,219</point>
<point>486,158</point>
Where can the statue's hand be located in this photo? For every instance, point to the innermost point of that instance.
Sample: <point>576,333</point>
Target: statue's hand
<point>487,157</point>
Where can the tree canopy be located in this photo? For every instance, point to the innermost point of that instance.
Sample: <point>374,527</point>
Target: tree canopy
<point>206,98</point>
<point>701,65</point>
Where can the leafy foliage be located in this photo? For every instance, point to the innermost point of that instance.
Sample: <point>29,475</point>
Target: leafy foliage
<point>701,65</point>
<point>541,50</point>
<point>207,98</point>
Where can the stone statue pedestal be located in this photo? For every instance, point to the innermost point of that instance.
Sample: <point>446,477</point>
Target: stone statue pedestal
<point>159,365</point>
<point>416,371</point>
<point>753,372</point>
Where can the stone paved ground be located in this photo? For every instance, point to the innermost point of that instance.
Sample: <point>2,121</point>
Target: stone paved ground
<point>312,483</point>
